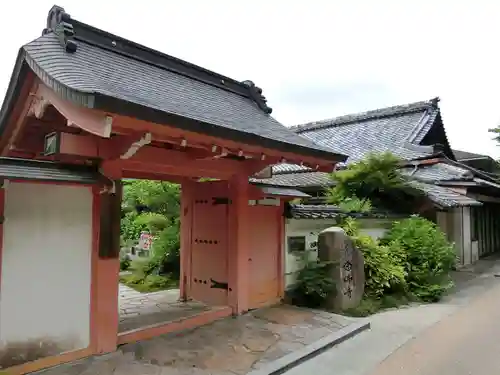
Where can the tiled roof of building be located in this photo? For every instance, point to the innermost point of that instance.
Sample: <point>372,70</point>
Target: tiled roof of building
<point>298,180</point>
<point>398,129</point>
<point>308,211</point>
<point>439,172</point>
<point>323,211</point>
<point>20,169</point>
<point>424,178</point>
<point>466,155</point>
<point>99,70</point>
<point>443,196</point>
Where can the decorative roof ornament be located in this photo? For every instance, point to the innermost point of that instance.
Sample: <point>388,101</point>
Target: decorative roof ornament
<point>256,94</point>
<point>434,102</point>
<point>58,22</point>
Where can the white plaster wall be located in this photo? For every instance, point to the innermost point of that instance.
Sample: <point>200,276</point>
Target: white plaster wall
<point>466,236</point>
<point>311,229</point>
<point>46,265</point>
<point>457,232</point>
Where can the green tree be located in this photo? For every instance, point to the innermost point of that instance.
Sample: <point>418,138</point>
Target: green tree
<point>148,205</point>
<point>372,181</point>
<point>158,196</point>
<point>496,132</point>
<point>154,206</point>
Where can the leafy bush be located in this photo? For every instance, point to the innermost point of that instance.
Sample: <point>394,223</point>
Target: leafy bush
<point>370,305</point>
<point>383,272</point>
<point>130,227</point>
<point>157,282</point>
<point>153,221</point>
<point>354,204</point>
<point>124,262</point>
<point>313,284</point>
<point>372,181</point>
<point>132,279</point>
<point>148,283</point>
<point>425,253</point>
<point>166,250</point>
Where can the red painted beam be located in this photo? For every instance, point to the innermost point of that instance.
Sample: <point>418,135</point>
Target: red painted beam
<point>94,122</point>
<point>123,124</point>
<point>19,114</point>
<point>134,169</point>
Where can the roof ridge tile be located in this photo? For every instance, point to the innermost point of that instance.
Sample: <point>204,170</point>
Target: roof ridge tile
<point>70,30</point>
<point>367,115</point>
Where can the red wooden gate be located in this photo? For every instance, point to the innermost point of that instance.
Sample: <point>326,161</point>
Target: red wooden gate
<point>264,255</point>
<point>209,243</point>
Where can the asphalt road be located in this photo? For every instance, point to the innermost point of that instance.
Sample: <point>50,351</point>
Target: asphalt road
<point>466,342</point>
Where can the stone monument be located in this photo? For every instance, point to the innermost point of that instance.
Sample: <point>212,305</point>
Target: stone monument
<point>347,269</point>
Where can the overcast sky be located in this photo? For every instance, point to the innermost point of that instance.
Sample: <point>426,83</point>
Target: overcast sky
<point>314,59</point>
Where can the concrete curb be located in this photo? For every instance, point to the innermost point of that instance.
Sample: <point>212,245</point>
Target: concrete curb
<point>294,359</point>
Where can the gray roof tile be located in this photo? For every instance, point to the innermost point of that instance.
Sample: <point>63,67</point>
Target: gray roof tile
<point>443,196</point>
<point>465,155</point>
<point>21,169</point>
<point>438,173</point>
<point>388,129</point>
<point>92,72</point>
<point>289,168</point>
<point>399,130</point>
<point>297,180</point>
<point>424,179</point>
<point>309,211</point>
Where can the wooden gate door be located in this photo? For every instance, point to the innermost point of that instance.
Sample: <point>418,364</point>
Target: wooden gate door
<point>209,243</point>
<point>264,255</point>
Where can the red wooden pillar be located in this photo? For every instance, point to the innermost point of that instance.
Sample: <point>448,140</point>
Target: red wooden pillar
<point>2,219</point>
<point>105,269</point>
<point>281,250</point>
<point>239,245</point>
<point>186,217</point>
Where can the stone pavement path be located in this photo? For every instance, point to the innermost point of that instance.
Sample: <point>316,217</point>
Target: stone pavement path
<point>144,309</point>
<point>394,328</point>
<point>461,344</point>
<point>230,346</point>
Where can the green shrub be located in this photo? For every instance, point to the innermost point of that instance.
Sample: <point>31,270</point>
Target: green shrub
<point>124,262</point>
<point>148,283</point>
<point>157,282</point>
<point>426,254</point>
<point>166,250</point>
<point>383,272</point>
<point>154,222</point>
<point>131,227</point>
<point>369,305</point>
<point>132,279</point>
<point>313,284</point>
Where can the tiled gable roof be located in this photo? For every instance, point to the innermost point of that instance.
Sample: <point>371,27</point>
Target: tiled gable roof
<point>23,169</point>
<point>99,70</point>
<point>465,155</point>
<point>298,180</point>
<point>444,197</point>
<point>425,178</point>
<point>438,172</point>
<point>323,211</point>
<point>398,129</point>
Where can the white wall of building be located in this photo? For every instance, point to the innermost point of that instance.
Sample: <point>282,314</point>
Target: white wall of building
<point>46,265</point>
<point>310,229</point>
<point>457,224</point>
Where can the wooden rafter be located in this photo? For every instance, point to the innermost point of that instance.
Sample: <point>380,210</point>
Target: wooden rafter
<point>91,121</point>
